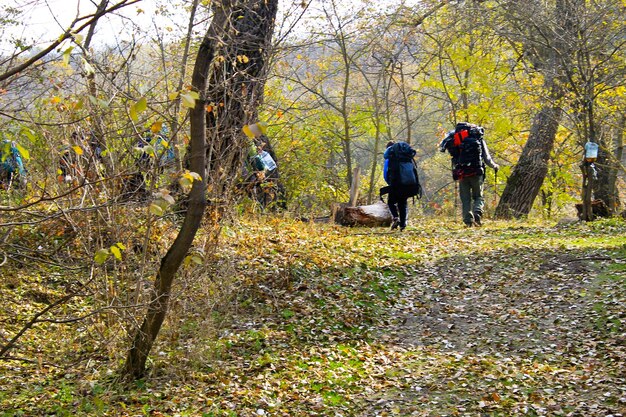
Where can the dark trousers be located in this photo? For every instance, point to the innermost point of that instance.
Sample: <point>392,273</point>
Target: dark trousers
<point>398,207</point>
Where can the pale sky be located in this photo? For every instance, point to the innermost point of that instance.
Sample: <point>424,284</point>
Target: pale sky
<point>45,20</point>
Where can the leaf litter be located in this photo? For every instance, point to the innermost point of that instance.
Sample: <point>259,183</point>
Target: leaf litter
<point>320,320</point>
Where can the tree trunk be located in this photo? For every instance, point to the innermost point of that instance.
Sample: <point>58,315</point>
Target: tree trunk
<point>609,163</point>
<point>553,62</point>
<point>589,178</point>
<point>373,215</point>
<point>134,367</point>
<point>525,182</point>
<point>372,181</point>
<point>236,87</point>
<point>242,27</point>
<point>354,187</point>
<point>377,120</point>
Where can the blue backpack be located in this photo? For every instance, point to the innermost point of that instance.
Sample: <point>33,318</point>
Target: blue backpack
<point>11,162</point>
<point>163,151</point>
<point>402,171</point>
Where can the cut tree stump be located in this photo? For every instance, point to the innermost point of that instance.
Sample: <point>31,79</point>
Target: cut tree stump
<point>372,215</point>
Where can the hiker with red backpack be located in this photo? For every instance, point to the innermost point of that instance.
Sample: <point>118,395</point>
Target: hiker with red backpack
<point>400,172</point>
<point>468,149</point>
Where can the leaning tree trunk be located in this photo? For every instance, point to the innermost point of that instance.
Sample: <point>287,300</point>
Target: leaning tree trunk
<point>552,59</point>
<point>524,184</point>
<point>226,33</point>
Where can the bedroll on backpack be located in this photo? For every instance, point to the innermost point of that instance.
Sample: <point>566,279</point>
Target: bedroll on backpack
<point>413,190</point>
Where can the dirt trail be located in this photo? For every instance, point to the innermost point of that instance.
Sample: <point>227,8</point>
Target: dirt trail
<point>516,308</point>
<point>495,306</point>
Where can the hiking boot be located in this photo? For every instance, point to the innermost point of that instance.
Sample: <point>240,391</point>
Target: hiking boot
<point>477,221</point>
<point>469,224</point>
<point>395,223</point>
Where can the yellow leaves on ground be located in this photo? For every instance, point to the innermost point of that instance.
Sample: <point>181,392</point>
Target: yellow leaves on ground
<point>290,318</point>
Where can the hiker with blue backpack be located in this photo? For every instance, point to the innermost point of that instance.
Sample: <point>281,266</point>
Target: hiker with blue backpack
<point>12,170</point>
<point>468,149</point>
<point>155,150</point>
<point>400,172</point>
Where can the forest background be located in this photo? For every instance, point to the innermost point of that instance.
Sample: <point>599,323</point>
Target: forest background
<point>328,84</point>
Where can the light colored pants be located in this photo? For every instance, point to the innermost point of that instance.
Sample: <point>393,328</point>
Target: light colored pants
<point>472,201</point>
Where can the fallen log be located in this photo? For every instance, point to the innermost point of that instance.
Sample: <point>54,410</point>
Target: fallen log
<point>598,209</point>
<point>373,215</point>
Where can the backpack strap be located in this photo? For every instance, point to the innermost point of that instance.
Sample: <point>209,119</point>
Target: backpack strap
<point>420,191</point>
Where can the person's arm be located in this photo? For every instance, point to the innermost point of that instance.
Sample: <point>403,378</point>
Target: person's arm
<point>487,156</point>
<point>445,143</point>
<point>386,170</point>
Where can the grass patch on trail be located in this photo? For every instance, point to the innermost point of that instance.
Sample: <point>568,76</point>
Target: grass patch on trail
<point>320,320</point>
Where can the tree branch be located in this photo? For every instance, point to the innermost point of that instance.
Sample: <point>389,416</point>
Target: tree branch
<point>69,33</point>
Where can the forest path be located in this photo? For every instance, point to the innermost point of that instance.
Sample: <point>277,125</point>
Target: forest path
<point>515,308</point>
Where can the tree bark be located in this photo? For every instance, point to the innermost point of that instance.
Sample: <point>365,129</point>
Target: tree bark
<point>609,163</point>
<point>551,56</point>
<point>239,28</point>
<point>236,86</point>
<point>527,178</point>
